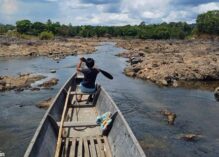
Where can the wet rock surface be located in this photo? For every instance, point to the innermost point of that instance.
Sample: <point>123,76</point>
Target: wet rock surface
<point>190,137</point>
<point>170,116</point>
<point>167,62</point>
<point>45,104</point>
<point>216,93</point>
<point>18,83</point>
<point>49,83</point>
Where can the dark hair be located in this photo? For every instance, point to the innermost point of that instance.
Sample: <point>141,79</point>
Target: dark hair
<point>90,62</point>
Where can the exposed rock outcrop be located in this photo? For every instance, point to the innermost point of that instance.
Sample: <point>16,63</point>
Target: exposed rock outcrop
<point>23,81</point>
<point>53,49</point>
<point>49,83</point>
<point>167,62</point>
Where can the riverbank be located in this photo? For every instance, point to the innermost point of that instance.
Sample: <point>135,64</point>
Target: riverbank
<point>56,49</point>
<point>165,62</point>
<point>171,62</point>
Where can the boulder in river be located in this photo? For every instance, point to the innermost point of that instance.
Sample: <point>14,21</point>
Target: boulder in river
<point>171,117</point>
<point>35,89</point>
<point>45,104</point>
<point>49,83</point>
<point>53,71</point>
<point>216,93</point>
<point>190,137</point>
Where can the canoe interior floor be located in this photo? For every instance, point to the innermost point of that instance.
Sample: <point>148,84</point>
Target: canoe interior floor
<point>91,146</point>
<point>82,137</point>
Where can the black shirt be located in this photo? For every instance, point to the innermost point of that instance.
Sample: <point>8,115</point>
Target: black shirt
<point>90,76</point>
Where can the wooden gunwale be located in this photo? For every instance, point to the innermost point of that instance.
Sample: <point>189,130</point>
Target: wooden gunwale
<point>36,134</point>
<point>126,124</point>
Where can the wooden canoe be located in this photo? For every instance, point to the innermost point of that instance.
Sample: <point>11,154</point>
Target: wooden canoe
<point>75,123</point>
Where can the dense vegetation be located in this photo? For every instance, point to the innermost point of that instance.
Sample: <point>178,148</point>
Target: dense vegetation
<point>206,23</point>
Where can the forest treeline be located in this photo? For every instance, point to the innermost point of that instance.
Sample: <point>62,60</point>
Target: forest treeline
<point>207,23</point>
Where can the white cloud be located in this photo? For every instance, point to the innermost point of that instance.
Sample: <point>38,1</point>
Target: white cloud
<point>9,7</point>
<point>100,12</point>
<point>113,19</point>
<point>152,15</point>
<point>127,12</point>
<point>175,16</point>
<point>206,7</point>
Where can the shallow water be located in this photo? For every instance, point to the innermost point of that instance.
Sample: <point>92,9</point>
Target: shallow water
<point>140,102</point>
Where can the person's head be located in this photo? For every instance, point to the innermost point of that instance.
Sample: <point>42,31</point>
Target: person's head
<point>90,62</point>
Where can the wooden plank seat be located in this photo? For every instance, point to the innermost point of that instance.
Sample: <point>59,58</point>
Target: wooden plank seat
<point>81,93</point>
<point>78,124</point>
<point>88,96</point>
<point>89,146</point>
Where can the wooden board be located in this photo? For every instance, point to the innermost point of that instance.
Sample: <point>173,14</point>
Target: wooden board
<point>78,124</point>
<point>86,148</point>
<point>73,147</point>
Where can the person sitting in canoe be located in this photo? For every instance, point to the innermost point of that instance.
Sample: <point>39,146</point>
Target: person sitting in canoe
<point>90,75</point>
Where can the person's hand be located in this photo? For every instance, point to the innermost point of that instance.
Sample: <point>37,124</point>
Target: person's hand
<point>83,59</point>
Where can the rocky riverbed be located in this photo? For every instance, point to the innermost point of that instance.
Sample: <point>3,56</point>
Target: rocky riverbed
<point>24,81</point>
<point>57,49</point>
<point>170,62</point>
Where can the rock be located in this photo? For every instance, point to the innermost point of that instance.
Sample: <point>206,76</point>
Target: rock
<point>129,72</point>
<point>53,71</point>
<point>23,81</point>
<point>2,88</point>
<point>141,54</point>
<point>189,137</point>
<point>49,83</point>
<point>136,69</point>
<point>167,61</point>
<point>45,104</point>
<point>57,58</point>
<point>35,89</point>
<point>175,84</point>
<point>164,82</point>
<point>171,117</point>
<point>135,60</point>
<point>19,89</point>
<point>216,93</point>
<point>3,83</point>
<point>53,48</point>
<point>169,80</point>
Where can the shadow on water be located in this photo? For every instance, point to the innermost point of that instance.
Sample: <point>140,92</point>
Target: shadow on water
<point>140,102</point>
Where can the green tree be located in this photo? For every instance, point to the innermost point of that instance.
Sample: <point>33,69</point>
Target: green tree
<point>46,35</point>
<point>23,26</point>
<point>38,27</point>
<point>208,22</point>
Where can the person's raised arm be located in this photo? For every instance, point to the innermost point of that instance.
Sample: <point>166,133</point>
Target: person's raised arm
<point>79,69</point>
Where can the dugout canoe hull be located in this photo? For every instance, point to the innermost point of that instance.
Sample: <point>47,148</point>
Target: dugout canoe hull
<point>121,139</point>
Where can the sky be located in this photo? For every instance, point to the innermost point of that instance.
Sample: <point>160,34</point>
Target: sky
<point>104,12</point>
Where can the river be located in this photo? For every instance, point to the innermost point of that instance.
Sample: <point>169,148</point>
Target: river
<point>140,102</point>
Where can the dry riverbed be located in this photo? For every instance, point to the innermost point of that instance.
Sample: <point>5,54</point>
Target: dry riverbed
<point>171,62</point>
<point>55,49</point>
